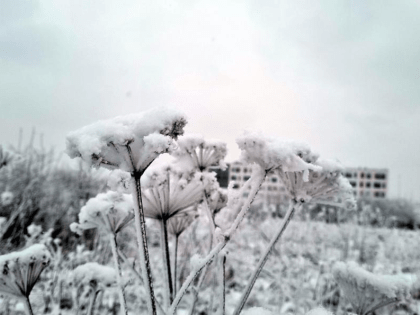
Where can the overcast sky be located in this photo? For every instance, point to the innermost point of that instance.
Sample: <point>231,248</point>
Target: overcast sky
<point>343,76</point>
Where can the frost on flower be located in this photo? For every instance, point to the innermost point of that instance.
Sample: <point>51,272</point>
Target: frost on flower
<point>367,291</point>
<point>203,153</point>
<point>93,272</point>
<point>168,191</point>
<point>119,181</point>
<point>271,153</point>
<point>6,198</point>
<point>324,186</point>
<point>179,223</point>
<point>19,271</point>
<point>129,142</point>
<point>216,197</point>
<point>319,311</point>
<point>110,211</point>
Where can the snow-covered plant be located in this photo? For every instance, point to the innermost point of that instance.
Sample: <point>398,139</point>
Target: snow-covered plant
<point>111,212</point>
<point>130,143</point>
<point>5,157</point>
<point>319,311</point>
<point>366,291</point>
<point>201,153</point>
<point>97,277</point>
<point>6,198</point>
<point>19,272</point>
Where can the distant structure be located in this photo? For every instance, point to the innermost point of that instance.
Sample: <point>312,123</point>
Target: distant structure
<point>366,182</point>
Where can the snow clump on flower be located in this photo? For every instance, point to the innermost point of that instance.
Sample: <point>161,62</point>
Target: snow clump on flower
<point>365,290</point>
<point>93,272</point>
<point>7,198</point>
<point>193,149</point>
<point>110,211</point>
<point>271,153</point>
<point>319,311</point>
<point>119,181</point>
<point>129,142</point>
<point>19,271</point>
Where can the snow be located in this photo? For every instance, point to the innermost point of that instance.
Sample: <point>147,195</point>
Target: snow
<point>271,153</point>
<point>147,134</point>
<point>319,311</point>
<point>257,311</point>
<point>6,198</point>
<point>113,206</point>
<point>202,153</point>
<point>119,181</point>
<point>363,288</point>
<point>92,271</point>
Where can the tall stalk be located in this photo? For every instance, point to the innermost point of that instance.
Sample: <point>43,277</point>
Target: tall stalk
<point>92,301</point>
<point>293,205</point>
<point>121,294</point>
<point>227,236</point>
<point>222,284</point>
<point>175,263</point>
<point>166,262</point>
<point>140,225</point>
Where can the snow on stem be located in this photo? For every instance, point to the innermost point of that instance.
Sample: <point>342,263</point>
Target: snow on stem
<point>140,226</point>
<point>222,284</point>
<point>256,179</point>
<point>92,301</point>
<point>175,262</point>
<point>28,306</point>
<point>121,294</point>
<point>292,207</point>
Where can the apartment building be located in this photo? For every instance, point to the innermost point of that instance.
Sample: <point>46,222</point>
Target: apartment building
<point>366,182</point>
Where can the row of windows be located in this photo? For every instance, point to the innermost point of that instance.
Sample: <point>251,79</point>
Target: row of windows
<point>368,175</point>
<point>246,177</point>
<point>368,184</point>
<point>238,170</point>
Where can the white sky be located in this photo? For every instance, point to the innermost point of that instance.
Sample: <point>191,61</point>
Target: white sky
<point>343,76</point>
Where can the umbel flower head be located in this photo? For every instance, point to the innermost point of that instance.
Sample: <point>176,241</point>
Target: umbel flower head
<point>168,191</point>
<point>5,157</point>
<point>326,186</point>
<point>216,197</point>
<point>110,211</point>
<point>200,152</point>
<point>129,142</point>
<point>19,271</point>
<point>305,176</point>
<point>95,274</point>
<point>179,223</point>
<point>367,291</point>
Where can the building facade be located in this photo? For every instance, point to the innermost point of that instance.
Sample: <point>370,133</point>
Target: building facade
<point>366,182</point>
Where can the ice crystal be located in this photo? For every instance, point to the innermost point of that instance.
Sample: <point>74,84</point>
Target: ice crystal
<point>110,211</point>
<point>366,291</point>
<point>19,271</point>
<point>129,142</point>
<point>202,153</point>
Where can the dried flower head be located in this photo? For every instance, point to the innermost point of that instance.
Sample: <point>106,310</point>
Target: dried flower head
<point>179,223</point>
<point>168,191</point>
<point>367,291</point>
<point>93,273</point>
<point>324,186</point>
<point>129,142</point>
<point>200,152</point>
<point>110,211</point>
<point>21,270</point>
<point>271,153</point>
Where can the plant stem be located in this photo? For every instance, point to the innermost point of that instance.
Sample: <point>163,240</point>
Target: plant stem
<point>28,306</point>
<point>166,263</point>
<point>175,263</point>
<point>381,304</point>
<point>264,257</point>
<point>144,260</point>
<point>222,285</point>
<point>207,260</point>
<point>92,301</point>
<point>113,240</point>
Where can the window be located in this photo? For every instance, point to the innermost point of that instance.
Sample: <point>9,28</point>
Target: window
<point>236,170</point>
<point>383,185</point>
<point>362,175</point>
<point>377,185</point>
<point>368,184</point>
<point>368,176</point>
<point>233,177</point>
<point>379,176</point>
<point>379,194</point>
<point>245,170</point>
<point>235,186</point>
<point>274,180</point>
<point>353,184</point>
<point>246,177</point>
<point>361,184</point>
<point>348,175</point>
